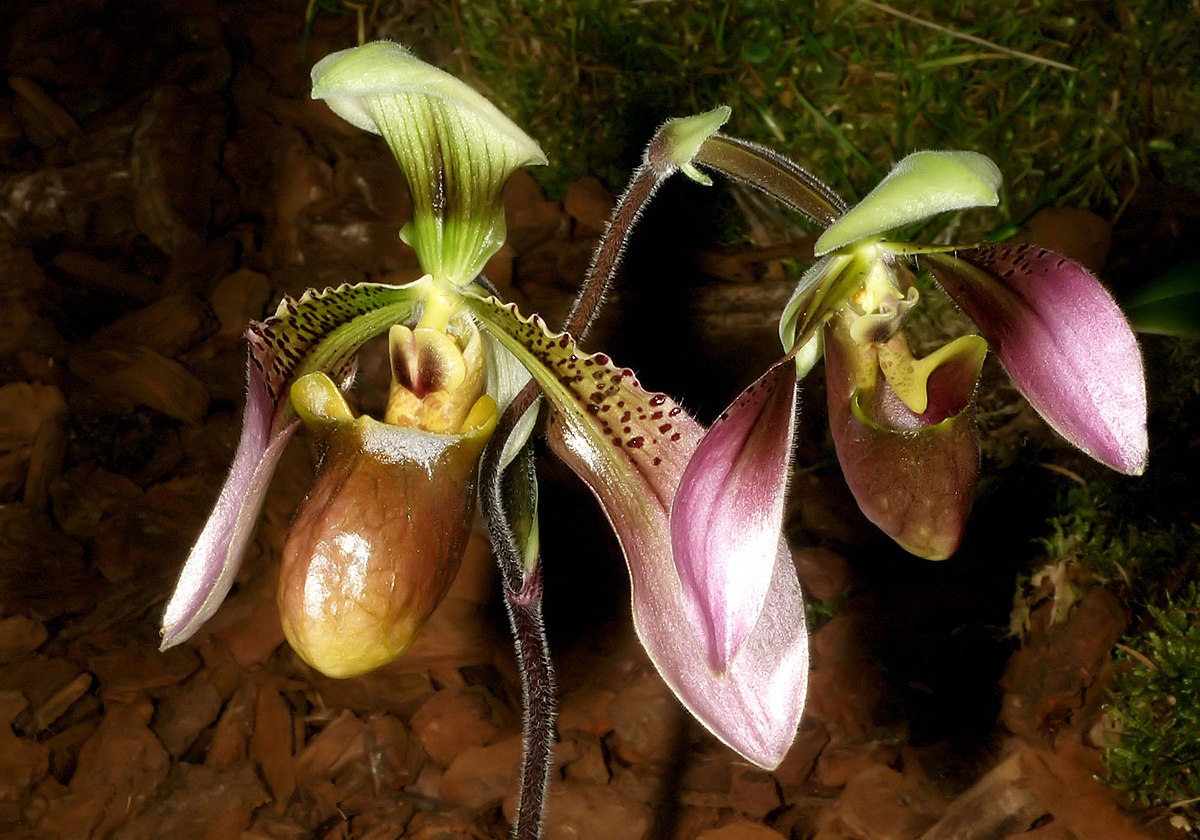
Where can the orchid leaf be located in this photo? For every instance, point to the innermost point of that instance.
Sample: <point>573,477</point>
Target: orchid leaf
<point>455,148</point>
<point>321,331</point>
<point>632,448</point>
<point>920,186</point>
<point>728,513</point>
<point>1169,304</point>
<point>1063,341</point>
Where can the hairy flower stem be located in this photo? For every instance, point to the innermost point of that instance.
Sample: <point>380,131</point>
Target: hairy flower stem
<point>538,697</point>
<point>644,182</point>
<point>522,582</point>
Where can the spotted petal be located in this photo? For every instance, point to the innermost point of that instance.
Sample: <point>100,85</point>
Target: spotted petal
<point>319,332</point>
<point>632,448</point>
<point>1062,339</point>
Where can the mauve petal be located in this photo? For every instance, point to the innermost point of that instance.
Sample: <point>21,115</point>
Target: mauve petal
<point>1062,339</point>
<point>915,480</point>
<point>728,513</point>
<point>632,447</point>
<point>217,555</point>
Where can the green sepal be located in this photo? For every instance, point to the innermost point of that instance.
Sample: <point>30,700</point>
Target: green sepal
<point>918,187</point>
<point>683,137</point>
<point>455,148</point>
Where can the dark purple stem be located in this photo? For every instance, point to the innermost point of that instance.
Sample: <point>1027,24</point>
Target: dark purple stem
<point>538,699</point>
<point>523,601</point>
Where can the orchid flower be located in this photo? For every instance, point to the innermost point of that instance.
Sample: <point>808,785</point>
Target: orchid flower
<point>904,428</point>
<point>698,512</point>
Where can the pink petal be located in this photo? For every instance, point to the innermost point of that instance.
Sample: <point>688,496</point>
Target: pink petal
<point>728,513</point>
<point>214,561</point>
<point>1062,339</point>
<point>632,448</point>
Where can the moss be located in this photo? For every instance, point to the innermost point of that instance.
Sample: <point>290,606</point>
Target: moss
<point>1155,705</point>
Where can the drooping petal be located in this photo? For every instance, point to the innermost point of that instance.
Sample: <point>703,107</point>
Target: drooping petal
<point>728,513</point>
<point>213,563</point>
<point>319,332</point>
<point>1062,339</point>
<point>632,448</point>
<point>920,186</point>
<point>913,475</point>
<point>456,149</point>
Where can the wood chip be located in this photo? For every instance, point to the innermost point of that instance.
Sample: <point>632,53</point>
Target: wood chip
<point>57,703</point>
<point>271,744</point>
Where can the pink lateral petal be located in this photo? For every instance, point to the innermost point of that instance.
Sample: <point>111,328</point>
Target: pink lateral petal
<point>632,447</point>
<point>728,513</point>
<point>1062,339</point>
<point>214,561</point>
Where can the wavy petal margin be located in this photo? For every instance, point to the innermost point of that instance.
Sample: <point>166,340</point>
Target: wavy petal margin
<point>1062,339</point>
<point>728,513</point>
<point>632,448</point>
